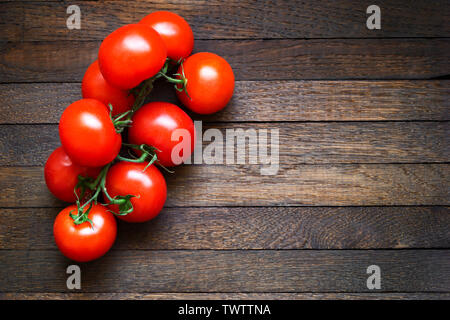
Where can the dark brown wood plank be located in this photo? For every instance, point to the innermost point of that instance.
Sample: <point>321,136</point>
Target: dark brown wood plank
<point>66,61</point>
<point>251,228</point>
<point>11,21</point>
<point>299,143</point>
<point>225,296</point>
<point>240,19</point>
<point>261,101</point>
<point>230,271</point>
<point>243,185</point>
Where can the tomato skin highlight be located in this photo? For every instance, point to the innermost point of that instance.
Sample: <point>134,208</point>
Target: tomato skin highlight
<point>130,55</point>
<point>210,83</point>
<point>87,133</point>
<point>154,123</point>
<point>81,242</point>
<point>149,188</point>
<point>175,32</point>
<point>95,86</point>
<point>61,175</point>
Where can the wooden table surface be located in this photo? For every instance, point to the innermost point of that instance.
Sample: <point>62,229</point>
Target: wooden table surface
<point>364,154</point>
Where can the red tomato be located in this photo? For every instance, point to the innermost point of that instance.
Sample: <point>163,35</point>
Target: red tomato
<point>210,83</point>
<point>61,175</point>
<point>174,30</point>
<point>87,133</point>
<point>155,123</point>
<point>95,86</point>
<point>82,242</point>
<point>130,55</point>
<point>148,187</point>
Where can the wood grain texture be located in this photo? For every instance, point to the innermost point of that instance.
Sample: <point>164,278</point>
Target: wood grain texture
<point>260,101</point>
<point>66,61</point>
<point>251,228</point>
<point>230,271</point>
<point>299,143</point>
<point>11,21</point>
<point>238,19</point>
<point>225,296</point>
<point>243,185</point>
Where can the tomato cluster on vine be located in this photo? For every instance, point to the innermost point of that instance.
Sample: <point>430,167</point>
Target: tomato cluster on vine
<point>107,173</point>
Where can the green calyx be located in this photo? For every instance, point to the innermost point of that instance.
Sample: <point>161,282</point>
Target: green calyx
<point>118,121</point>
<point>148,152</point>
<point>81,217</point>
<point>88,183</point>
<point>124,202</point>
<point>179,80</point>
